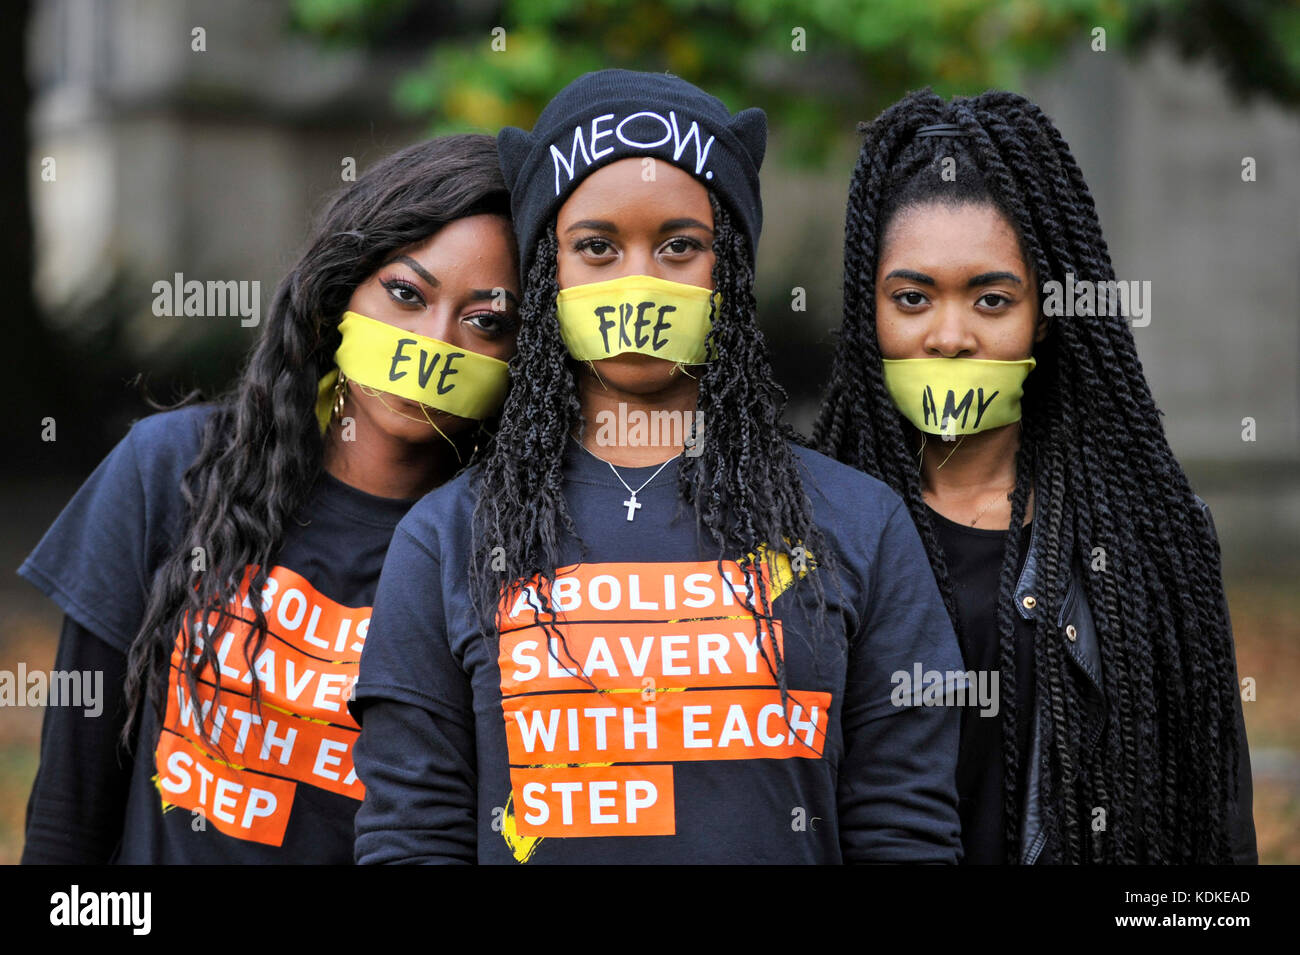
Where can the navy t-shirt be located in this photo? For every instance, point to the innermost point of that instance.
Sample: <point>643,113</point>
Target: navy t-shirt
<point>280,786</point>
<point>675,748</point>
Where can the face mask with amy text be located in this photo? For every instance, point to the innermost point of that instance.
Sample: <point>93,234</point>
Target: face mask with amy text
<point>957,396</point>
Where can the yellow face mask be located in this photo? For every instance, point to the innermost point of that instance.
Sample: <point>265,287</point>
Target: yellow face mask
<point>637,313</point>
<point>426,370</point>
<point>957,396</point>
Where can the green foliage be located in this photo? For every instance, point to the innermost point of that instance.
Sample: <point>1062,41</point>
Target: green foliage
<point>1255,43</point>
<point>857,56</point>
<point>345,21</point>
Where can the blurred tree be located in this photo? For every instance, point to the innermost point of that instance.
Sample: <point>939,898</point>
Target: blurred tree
<point>1255,42</point>
<point>817,68</point>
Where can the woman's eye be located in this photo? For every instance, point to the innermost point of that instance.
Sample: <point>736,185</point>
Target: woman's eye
<point>993,300</point>
<point>680,246</point>
<point>403,292</point>
<point>595,245</point>
<point>494,323</point>
<point>910,299</point>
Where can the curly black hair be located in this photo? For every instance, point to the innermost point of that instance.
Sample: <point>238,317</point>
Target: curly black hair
<point>744,486</point>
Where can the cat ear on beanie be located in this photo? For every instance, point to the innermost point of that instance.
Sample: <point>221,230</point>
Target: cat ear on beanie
<point>513,147</point>
<point>750,127</point>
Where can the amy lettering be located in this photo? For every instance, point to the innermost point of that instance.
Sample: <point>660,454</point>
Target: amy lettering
<point>952,407</point>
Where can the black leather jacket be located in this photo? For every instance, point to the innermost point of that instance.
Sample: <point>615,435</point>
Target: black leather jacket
<point>1079,637</point>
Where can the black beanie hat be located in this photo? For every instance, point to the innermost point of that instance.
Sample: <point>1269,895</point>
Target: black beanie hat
<point>609,115</point>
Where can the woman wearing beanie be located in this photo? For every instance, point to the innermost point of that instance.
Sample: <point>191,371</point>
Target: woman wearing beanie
<point>649,628</point>
<point>219,567</point>
<point>1074,558</point>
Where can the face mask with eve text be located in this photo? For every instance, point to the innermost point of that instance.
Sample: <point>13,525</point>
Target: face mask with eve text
<point>434,373</point>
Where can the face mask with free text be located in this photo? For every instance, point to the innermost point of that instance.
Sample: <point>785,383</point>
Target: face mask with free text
<point>636,313</point>
<point>426,370</point>
<point>957,396</point>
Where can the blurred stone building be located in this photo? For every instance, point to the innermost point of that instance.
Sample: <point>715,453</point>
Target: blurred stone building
<point>211,163</point>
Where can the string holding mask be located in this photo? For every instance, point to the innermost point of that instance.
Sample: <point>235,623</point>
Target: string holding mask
<point>376,393</point>
<point>680,367</point>
<point>592,366</point>
<point>384,359</point>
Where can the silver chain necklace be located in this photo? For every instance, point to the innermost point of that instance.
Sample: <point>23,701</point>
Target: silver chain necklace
<point>632,504</point>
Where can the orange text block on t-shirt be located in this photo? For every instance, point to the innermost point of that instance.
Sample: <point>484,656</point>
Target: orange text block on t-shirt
<point>290,679</point>
<point>646,656</point>
<point>305,618</point>
<point>674,725</point>
<point>664,591</point>
<point>594,801</point>
<point>267,740</point>
<point>248,806</point>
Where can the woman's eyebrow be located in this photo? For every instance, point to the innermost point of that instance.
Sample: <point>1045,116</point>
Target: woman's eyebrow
<point>416,267</point>
<point>984,278</point>
<point>988,278</point>
<point>599,225</point>
<point>672,225</point>
<point>910,275</point>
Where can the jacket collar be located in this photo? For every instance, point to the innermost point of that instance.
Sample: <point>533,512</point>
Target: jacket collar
<point>1027,584</point>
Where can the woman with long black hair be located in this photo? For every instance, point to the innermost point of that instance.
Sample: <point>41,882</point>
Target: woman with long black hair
<point>220,565</point>
<point>650,628</point>
<point>1074,559</point>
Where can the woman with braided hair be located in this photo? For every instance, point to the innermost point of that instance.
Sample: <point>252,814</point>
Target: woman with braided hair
<point>1073,557</point>
<point>611,643</point>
